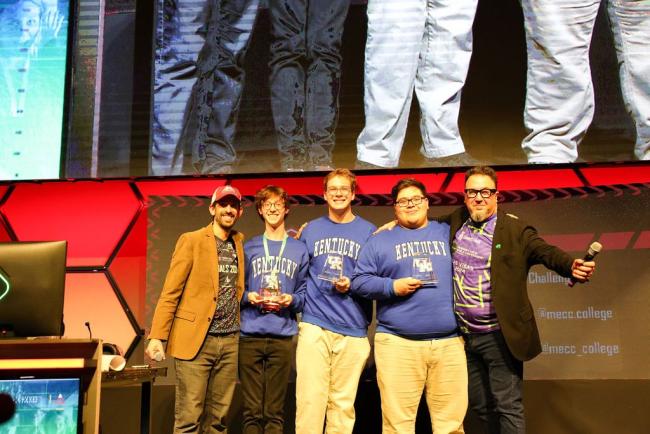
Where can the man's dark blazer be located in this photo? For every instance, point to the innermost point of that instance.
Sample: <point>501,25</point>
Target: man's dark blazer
<point>515,248</point>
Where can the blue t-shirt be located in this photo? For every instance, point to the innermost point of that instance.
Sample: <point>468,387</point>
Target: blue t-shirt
<point>291,268</point>
<point>428,312</point>
<point>329,243</point>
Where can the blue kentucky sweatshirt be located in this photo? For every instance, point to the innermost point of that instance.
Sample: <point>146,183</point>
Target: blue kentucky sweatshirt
<point>428,312</point>
<point>328,242</point>
<point>292,274</point>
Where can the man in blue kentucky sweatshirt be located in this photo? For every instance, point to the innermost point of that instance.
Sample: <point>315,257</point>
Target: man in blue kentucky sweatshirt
<point>276,273</point>
<point>417,344</point>
<point>332,339</point>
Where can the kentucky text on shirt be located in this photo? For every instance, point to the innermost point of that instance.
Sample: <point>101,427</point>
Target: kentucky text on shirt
<point>416,248</point>
<point>341,246</point>
<point>263,266</point>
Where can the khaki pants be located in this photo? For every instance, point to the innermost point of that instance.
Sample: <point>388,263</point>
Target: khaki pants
<point>328,369</point>
<point>406,367</point>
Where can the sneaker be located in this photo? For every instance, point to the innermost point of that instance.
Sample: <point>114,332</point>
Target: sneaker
<point>456,160</point>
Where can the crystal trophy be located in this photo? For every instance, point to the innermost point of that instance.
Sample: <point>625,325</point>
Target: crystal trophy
<point>423,270</point>
<point>270,293</point>
<point>333,268</point>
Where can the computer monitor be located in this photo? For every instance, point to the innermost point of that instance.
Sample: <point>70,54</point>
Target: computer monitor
<point>43,405</point>
<point>32,287</point>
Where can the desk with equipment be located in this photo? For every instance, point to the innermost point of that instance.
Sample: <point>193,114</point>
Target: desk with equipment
<point>53,383</point>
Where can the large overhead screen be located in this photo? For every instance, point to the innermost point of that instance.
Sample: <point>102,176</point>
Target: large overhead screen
<point>191,86</point>
<point>255,86</point>
<point>33,58</point>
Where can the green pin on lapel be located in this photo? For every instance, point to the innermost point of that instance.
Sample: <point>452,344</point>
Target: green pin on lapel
<point>498,246</point>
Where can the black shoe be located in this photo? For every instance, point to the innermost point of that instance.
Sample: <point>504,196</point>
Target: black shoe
<point>456,160</point>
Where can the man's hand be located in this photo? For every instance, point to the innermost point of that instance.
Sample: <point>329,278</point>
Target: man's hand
<point>581,270</point>
<point>406,285</point>
<point>342,285</point>
<point>386,227</point>
<point>51,25</point>
<point>50,28</point>
<point>254,298</point>
<point>300,229</point>
<point>155,349</point>
<point>285,300</point>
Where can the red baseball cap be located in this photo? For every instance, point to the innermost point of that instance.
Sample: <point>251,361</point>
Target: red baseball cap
<point>223,191</point>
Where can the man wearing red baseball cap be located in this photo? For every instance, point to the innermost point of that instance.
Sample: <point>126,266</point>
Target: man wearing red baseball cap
<point>198,315</point>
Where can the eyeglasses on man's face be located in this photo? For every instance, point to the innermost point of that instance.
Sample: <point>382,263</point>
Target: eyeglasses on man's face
<point>484,192</point>
<point>277,205</point>
<point>415,200</point>
<point>339,190</point>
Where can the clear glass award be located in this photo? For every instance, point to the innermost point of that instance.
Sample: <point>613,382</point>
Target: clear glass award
<point>270,293</point>
<point>423,269</point>
<point>333,268</point>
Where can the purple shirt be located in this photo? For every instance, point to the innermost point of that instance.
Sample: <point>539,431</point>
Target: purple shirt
<point>471,257</point>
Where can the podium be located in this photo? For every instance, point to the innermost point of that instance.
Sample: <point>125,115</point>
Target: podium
<point>57,359</point>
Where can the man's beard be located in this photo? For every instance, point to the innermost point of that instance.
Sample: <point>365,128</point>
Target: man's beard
<point>226,226</point>
<point>478,216</point>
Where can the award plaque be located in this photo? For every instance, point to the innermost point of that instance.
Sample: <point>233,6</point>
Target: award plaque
<point>270,293</point>
<point>423,270</point>
<point>333,268</point>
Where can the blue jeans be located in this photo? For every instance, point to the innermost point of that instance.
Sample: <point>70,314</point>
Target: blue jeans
<point>198,83</point>
<point>306,78</point>
<point>495,383</point>
<point>205,386</point>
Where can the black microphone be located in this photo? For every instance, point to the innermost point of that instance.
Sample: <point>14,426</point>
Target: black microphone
<point>90,332</point>
<point>592,251</point>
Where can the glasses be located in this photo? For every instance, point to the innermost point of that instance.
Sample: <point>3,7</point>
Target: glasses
<point>484,192</point>
<point>339,190</point>
<point>277,205</point>
<point>415,200</point>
